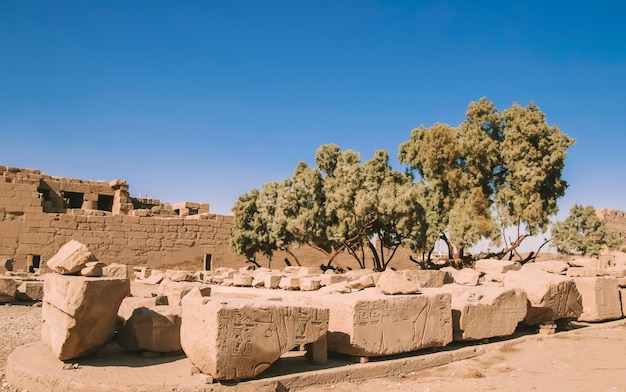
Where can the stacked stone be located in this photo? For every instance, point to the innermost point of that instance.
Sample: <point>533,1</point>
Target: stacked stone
<point>80,305</point>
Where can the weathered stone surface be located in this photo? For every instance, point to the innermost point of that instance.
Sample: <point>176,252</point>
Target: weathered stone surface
<point>392,283</point>
<point>116,270</point>
<point>30,290</point>
<point>590,262</point>
<point>6,265</point>
<point>71,258</point>
<point>310,283</point>
<point>483,312</point>
<point>551,266</point>
<point>369,323</point>
<point>93,269</point>
<point>600,298</point>
<point>8,287</point>
<point>243,280</point>
<point>79,313</point>
<point>362,282</point>
<point>550,297</point>
<point>155,277</point>
<point>289,283</point>
<point>465,276</point>
<point>181,276</point>
<point>152,328</point>
<point>491,266</point>
<point>175,291</point>
<point>332,278</point>
<point>129,304</point>
<point>425,278</point>
<point>235,338</point>
<point>575,272</point>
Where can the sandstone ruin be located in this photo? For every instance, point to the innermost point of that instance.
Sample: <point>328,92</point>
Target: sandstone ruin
<point>233,324</point>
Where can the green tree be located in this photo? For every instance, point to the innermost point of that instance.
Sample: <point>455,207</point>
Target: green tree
<point>583,232</point>
<point>495,170</point>
<point>340,206</point>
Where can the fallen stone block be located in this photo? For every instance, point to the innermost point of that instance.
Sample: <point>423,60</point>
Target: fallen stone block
<point>484,312</point>
<point>129,304</point>
<point>155,277</point>
<point>575,272</point>
<point>236,338</point>
<point>622,297</point>
<point>30,290</point>
<point>550,297</point>
<point>551,266</point>
<point>600,298</point>
<point>425,278</point>
<point>289,283</point>
<point>80,313</point>
<point>152,328</point>
<point>116,270</point>
<point>92,269</point>
<point>243,280</point>
<point>175,291</point>
<point>310,283</point>
<point>331,278</point>
<point>362,282</point>
<point>71,258</point>
<point>465,276</point>
<point>491,266</point>
<point>392,283</point>
<point>8,287</point>
<point>367,323</point>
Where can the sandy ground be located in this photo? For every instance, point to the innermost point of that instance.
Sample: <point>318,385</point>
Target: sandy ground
<point>585,359</point>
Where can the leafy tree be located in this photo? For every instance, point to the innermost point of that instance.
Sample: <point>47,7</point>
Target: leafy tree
<point>533,156</point>
<point>495,170</point>
<point>340,206</point>
<point>583,232</point>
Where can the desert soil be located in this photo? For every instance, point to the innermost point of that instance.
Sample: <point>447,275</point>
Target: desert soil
<point>585,359</point>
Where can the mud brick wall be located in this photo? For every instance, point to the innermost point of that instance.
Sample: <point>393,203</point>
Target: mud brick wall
<point>157,242</point>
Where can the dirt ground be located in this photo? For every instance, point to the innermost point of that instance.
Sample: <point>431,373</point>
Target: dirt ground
<point>585,359</point>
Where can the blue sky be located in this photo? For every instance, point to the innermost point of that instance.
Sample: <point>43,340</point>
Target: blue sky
<point>206,100</point>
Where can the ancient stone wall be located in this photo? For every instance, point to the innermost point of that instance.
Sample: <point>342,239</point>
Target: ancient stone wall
<point>39,213</point>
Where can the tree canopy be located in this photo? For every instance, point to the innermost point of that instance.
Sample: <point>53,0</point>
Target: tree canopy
<point>583,232</point>
<point>495,170</point>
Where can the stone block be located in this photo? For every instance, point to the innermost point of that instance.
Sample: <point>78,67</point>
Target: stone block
<point>236,338</point>
<point>310,283</point>
<point>575,272</point>
<point>367,323</point>
<point>550,297</point>
<point>71,258</point>
<point>153,328</point>
<point>482,312</point>
<point>465,276</point>
<point>8,288</point>
<point>116,270</point>
<point>600,298</point>
<point>551,266</point>
<point>289,283</point>
<point>129,304</point>
<point>392,283</point>
<point>425,278</point>
<point>332,278</point>
<point>175,291</point>
<point>80,313</point>
<point>93,269</point>
<point>492,266</point>
<point>362,282</point>
<point>30,290</point>
<point>242,280</point>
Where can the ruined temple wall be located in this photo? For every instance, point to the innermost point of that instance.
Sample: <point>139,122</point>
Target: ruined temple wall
<point>615,221</point>
<point>156,242</point>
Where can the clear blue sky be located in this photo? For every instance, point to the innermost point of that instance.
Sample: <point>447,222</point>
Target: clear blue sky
<point>206,100</point>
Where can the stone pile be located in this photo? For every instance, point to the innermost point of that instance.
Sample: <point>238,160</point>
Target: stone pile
<point>234,323</point>
<point>79,308</point>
